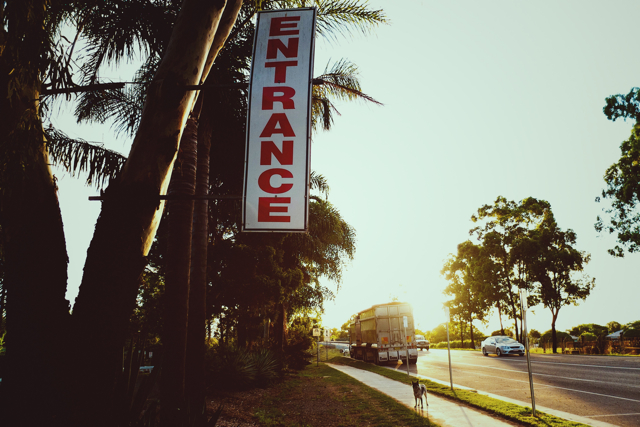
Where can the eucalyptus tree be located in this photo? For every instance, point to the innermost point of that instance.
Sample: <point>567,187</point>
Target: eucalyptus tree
<point>558,268</point>
<point>469,274</point>
<point>33,246</point>
<point>503,236</point>
<point>623,190</point>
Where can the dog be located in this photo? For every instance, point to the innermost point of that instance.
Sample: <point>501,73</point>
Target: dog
<point>418,391</point>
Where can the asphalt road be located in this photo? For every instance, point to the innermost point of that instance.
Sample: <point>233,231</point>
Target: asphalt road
<point>600,388</point>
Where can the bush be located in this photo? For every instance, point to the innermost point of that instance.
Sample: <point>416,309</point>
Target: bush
<point>631,333</point>
<point>299,341</point>
<point>559,335</point>
<point>588,336</point>
<point>454,344</point>
<point>236,368</point>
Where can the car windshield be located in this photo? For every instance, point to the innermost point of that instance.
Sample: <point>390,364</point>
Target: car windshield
<point>506,340</point>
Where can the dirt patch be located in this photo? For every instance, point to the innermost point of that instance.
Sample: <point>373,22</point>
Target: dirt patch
<point>237,406</point>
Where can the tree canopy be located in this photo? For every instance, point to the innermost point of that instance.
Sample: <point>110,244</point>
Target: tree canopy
<point>520,248</point>
<point>623,190</point>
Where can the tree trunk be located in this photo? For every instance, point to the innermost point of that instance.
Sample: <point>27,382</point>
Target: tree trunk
<point>515,315</point>
<point>196,334</point>
<point>554,337</point>
<point>177,286</point>
<point>33,244</point>
<point>131,210</point>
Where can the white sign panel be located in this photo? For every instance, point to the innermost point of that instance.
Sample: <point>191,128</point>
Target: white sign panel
<point>316,332</point>
<point>276,185</point>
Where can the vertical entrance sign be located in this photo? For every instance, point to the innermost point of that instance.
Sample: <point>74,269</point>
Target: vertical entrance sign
<point>276,180</point>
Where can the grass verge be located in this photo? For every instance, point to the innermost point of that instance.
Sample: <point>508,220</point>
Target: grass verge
<point>322,396</point>
<point>509,411</point>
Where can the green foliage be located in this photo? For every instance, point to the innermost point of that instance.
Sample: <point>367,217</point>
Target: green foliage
<point>438,334</point>
<point>631,333</point>
<point>561,336</point>
<point>470,274</point>
<point>592,328</point>
<point>623,190</point>
<point>299,342</point>
<point>614,326</point>
<point>633,325</point>
<point>507,332</point>
<point>456,344</point>
<point>588,336</point>
<point>625,106</point>
<point>228,366</point>
<point>504,236</point>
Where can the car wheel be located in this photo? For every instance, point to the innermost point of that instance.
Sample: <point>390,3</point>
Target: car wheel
<point>484,352</point>
<point>498,353</point>
<point>522,355</point>
<point>427,348</point>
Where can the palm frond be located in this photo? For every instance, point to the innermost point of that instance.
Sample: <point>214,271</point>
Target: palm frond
<point>342,17</point>
<point>335,17</point>
<point>319,182</point>
<point>342,82</point>
<point>338,82</point>
<point>77,156</point>
<point>121,30</point>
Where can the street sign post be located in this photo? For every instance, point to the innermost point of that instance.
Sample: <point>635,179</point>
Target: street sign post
<point>316,333</point>
<point>523,306</point>
<point>405,322</point>
<point>448,319</point>
<point>327,337</point>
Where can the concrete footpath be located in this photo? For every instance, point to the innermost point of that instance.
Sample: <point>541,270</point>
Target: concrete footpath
<point>440,411</point>
<point>447,413</point>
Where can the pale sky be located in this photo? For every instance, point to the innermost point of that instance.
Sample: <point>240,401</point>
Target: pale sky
<point>481,99</point>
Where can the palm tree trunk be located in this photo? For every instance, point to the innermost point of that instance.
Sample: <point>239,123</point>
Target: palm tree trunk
<point>131,210</point>
<point>178,263</point>
<point>196,334</point>
<point>33,244</point>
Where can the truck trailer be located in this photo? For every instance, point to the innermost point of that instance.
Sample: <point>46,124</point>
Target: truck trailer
<point>376,334</point>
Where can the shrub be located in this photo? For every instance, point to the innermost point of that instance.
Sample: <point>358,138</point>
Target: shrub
<point>454,344</point>
<point>588,336</point>
<point>631,333</point>
<point>559,335</point>
<point>235,368</point>
<point>266,367</point>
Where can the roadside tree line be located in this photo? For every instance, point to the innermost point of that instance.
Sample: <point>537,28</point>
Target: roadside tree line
<point>518,245</point>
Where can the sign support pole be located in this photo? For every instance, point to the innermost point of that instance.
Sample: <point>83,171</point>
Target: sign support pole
<point>446,311</point>
<point>406,350</point>
<point>523,306</point>
<point>316,333</point>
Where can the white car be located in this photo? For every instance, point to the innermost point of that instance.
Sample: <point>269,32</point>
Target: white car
<point>422,343</point>
<point>500,345</point>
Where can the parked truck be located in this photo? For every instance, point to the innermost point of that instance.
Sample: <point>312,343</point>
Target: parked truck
<point>377,334</point>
